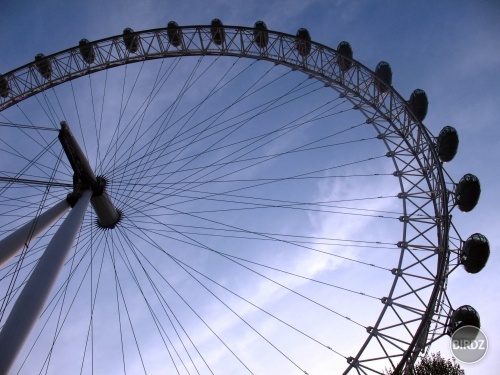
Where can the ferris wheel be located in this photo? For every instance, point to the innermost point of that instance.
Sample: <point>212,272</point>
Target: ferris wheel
<point>223,199</point>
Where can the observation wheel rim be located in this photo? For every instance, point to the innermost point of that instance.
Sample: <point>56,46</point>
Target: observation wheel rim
<point>358,84</point>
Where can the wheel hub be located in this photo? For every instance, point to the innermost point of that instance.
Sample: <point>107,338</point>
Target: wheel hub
<point>108,216</point>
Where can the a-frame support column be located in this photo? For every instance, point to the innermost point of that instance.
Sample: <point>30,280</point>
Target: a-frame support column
<point>15,242</point>
<point>33,297</point>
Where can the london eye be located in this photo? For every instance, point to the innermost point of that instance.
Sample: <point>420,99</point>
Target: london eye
<point>224,199</point>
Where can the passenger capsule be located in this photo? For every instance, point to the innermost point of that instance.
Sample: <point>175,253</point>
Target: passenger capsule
<point>463,316</point>
<point>475,253</point>
<point>260,34</point>
<point>419,104</point>
<point>384,74</point>
<point>4,87</point>
<point>217,31</point>
<point>131,41</point>
<point>467,192</point>
<point>447,143</point>
<point>174,34</point>
<point>43,66</point>
<point>87,51</point>
<point>344,56</point>
<point>303,42</point>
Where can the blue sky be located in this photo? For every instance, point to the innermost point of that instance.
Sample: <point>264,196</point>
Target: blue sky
<point>451,49</point>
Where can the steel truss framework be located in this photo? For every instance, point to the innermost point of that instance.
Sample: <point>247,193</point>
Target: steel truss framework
<point>424,247</point>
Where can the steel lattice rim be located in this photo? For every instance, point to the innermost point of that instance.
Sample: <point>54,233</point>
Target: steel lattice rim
<point>408,143</point>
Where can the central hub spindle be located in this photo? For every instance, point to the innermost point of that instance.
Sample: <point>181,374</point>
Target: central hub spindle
<point>84,179</point>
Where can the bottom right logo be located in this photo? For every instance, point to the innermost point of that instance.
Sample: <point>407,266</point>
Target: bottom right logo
<point>469,344</point>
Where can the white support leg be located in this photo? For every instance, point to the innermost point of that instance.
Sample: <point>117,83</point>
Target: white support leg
<point>14,243</point>
<point>33,297</point>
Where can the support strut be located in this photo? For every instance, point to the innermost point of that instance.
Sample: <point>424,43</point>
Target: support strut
<point>33,297</point>
<point>14,243</point>
<point>31,301</point>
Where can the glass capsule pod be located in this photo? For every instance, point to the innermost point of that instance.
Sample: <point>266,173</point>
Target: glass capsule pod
<point>130,40</point>
<point>384,74</point>
<point>43,66</point>
<point>465,315</point>
<point>260,34</point>
<point>303,42</point>
<point>4,87</point>
<point>419,104</point>
<point>87,51</point>
<point>467,192</point>
<point>447,143</point>
<point>174,34</point>
<point>217,31</point>
<point>344,57</point>
<point>475,253</point>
